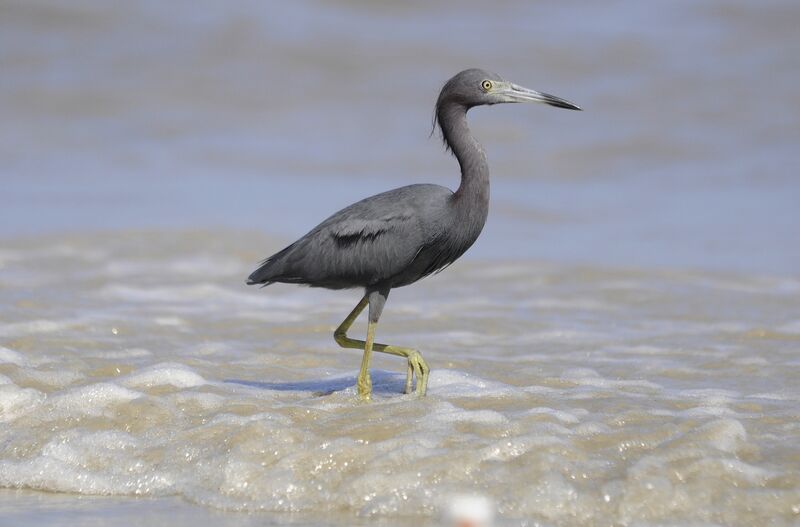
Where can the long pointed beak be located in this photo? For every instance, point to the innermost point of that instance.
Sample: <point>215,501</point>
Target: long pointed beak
<point>515,93</point>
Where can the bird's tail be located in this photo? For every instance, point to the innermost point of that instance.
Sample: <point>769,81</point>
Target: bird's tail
<point>270,270</point>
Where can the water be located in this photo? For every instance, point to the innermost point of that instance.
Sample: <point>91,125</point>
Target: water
<point>620,347</point>
<point>567,394</point>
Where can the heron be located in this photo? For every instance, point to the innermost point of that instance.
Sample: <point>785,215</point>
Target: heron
<point>398,237</point>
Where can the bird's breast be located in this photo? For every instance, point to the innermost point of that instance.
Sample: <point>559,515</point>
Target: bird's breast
<point>451,238</point>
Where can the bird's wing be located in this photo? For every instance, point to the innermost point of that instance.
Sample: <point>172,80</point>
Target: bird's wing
<point>365,228</point>
<point>365,247</point>
<point>358,247</point>
<point>366,243</point>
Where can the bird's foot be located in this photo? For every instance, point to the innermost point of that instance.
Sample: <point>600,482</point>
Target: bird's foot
<point>364,386</point>
<point>419,368</point>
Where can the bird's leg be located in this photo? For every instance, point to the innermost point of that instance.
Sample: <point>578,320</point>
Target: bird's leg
<point>364,383</point>
<point>340,335</point>
<point>341,338</point>
<point>416,364</point>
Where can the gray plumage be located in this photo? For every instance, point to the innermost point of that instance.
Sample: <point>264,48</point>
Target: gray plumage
<point>397,237</point>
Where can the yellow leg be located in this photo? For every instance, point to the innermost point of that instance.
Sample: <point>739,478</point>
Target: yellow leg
<point>364,383</point>
<point>416,364</point>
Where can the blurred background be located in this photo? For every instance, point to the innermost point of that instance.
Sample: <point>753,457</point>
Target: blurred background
<point>268,116</point>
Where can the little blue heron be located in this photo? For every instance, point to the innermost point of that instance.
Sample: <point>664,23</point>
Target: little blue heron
<point>397,237</point>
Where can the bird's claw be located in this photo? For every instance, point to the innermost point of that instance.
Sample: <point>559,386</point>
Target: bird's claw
<point>419,368</point>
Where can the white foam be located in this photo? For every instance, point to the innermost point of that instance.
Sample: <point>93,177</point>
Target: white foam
<point>452,383</point>
<point>570,304</point>
<point>708,411</point>
<point>211,293</point>
<point>16,401</point>
<point>562,335</point>
<point>91,400</point>
<point>507,449</point>
<point>772,396</point>
<point>206,401</point>
<point>162,374</point>
<point>727,435</point>
<point>33,327</point>
<point>102,462</point>
<point>648,350</point>
<point>449,413</point>
<point>52,378</point>
<point>463,338</point>
<point>589,377</point>
<point>202,266</point>
<point>711,396</point>
<point>739,471</point>
<point>543,390</point>
<point>233,420</point>
<point>205,265</point>
<point>170,321</point>
<point>564,417</point>
<point>551,497</point>
<point>128,353</point>
<point>12,357</point>
<point>591,429</point>
<point>612,426</point>
<point>189,300</point>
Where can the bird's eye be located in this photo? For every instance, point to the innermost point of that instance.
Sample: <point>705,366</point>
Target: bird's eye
<point>486,85</point>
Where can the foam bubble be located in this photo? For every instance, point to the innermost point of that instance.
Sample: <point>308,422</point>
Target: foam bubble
<point>162,374</point>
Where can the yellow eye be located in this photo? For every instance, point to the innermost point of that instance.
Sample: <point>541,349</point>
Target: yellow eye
<point>486,85</point>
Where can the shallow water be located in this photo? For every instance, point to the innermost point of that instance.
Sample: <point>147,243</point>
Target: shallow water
<point>620,347</point>
<point>141,365</point>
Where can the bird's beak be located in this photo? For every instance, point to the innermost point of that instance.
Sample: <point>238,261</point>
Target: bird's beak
<point>514,93</point>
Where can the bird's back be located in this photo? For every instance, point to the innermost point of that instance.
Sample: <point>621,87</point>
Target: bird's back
<point>393,238</point>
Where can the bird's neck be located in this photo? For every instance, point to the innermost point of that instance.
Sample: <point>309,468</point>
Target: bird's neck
<point>473,193</point>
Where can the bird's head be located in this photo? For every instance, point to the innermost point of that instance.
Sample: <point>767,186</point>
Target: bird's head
<point>475,87</point>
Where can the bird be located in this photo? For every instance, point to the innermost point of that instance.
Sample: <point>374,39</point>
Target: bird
<point>398,237</point>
